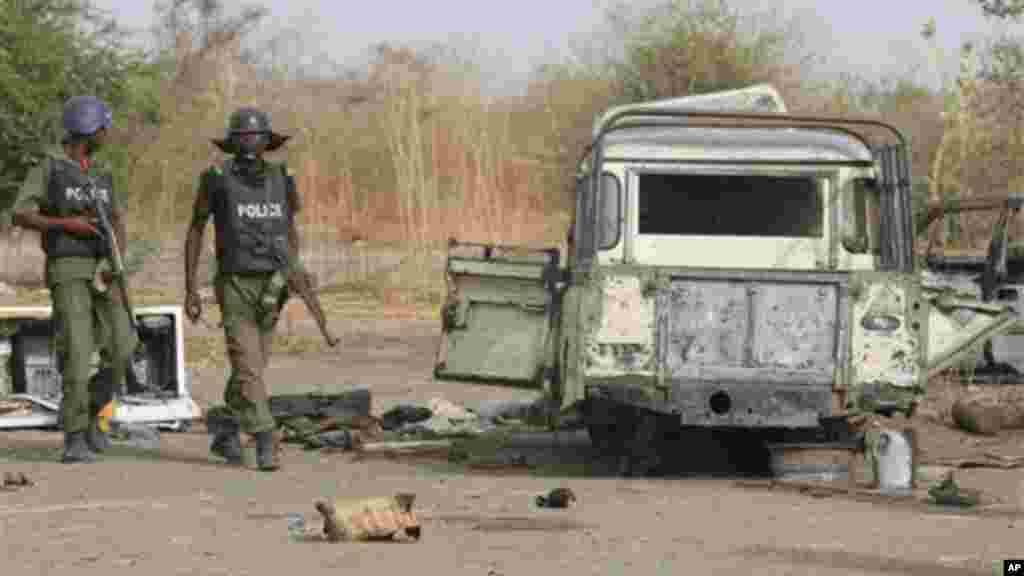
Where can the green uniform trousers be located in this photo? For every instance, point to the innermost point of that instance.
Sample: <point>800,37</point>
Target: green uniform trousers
<point>248,344</point>
<point>85,318</point>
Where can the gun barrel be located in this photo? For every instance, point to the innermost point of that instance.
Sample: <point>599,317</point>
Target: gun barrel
<point>116,263</point>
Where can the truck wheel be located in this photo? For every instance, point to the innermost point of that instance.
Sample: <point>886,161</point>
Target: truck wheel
<point>641,455</point>
<point>609,426</point>
<point>601,435</point>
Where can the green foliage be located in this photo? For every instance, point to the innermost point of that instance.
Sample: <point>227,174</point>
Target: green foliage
<point>1005,58</point>
<point>680,48</point>
<point>51,50</point>
<point>1002,9</point>
<point>1005,62</point>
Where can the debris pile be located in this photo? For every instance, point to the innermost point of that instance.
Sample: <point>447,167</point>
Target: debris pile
<point>557,498</point>
<point>344,420</point>
<point>15,480</point>
<point>16,407</point>
<point>949,493</point>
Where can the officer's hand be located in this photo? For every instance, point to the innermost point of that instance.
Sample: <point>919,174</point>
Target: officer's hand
<point>80,225</point>
<point>193,306</point>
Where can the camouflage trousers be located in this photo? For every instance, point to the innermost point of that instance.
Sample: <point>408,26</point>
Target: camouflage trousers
<point>86,318</point>
<point>249,342</point>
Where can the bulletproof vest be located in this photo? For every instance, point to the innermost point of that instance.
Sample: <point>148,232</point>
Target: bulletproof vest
<point>70,193</point>
<point>252,222</point>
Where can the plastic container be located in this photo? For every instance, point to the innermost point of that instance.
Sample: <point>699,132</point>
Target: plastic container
<point>296,526</point>
<point>895,461</point>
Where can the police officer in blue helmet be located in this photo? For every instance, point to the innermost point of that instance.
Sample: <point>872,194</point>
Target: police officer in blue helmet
<point>58,198</point>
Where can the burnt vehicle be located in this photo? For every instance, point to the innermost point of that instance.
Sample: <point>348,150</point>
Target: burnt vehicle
<point>992,275</point>
<point>733,266</point>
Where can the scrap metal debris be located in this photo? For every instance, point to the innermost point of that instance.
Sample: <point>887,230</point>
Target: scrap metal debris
<point>372,519</point>
<point>341,405</point>
<point>344,422</point>
<point>16,407</point>
<point>557,498</point>
<point>948,493</point>
<point>16,480</point>
<point>141,436</point>
<point>404,414</point>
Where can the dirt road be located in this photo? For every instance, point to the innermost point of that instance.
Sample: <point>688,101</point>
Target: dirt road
<point>178,512</point>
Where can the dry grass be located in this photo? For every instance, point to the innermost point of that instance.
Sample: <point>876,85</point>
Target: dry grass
<point>424,159</point>
<point>391,166</point>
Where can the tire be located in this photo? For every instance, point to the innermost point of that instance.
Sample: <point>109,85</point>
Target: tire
<point>601,436</point>
<point>609,426</point>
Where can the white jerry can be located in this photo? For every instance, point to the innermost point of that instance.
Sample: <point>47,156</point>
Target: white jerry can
<point>892,452</point>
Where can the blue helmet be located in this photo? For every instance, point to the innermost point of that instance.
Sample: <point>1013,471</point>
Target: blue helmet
<point>84,115</point>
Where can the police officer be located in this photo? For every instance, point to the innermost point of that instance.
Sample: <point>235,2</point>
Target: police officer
<point>253,203</point>
<point>57,198</point>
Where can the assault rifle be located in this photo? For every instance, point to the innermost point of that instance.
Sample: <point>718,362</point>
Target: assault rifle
<point>298,281</point>
<point>113,253</point>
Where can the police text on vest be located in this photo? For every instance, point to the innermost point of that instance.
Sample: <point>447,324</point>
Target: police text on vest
<point>258,210</point>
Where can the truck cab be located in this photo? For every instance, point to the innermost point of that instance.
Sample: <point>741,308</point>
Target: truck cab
<point>731,266</point>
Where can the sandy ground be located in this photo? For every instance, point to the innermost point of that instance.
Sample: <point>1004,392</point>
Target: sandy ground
<point>179,512</point>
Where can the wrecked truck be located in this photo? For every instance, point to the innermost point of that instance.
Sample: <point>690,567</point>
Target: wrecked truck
<point>992,275</point>
<point>731,266</point>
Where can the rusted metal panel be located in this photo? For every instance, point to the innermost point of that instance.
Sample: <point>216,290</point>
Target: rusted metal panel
<point>621,340</point>
<point>705,324</point>
<point>795,327</point>
<point>886,346</point>
<point>705,143</point>
<point>496,321</point>
<point>725,144</point>
<point>750,331</point>
<point>957,327</point>
<point>749,404</point>
<point>721,403</point>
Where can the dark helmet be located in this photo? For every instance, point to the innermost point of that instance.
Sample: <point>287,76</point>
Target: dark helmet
<point>85,115</point>
<point>249,120</point>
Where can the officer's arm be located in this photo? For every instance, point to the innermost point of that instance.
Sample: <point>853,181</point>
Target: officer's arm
<point>32,197</point>
<point>194,237</point>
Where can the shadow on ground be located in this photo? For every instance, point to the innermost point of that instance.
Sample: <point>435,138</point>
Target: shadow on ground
<point>692,454</point>
<point>48,448</point>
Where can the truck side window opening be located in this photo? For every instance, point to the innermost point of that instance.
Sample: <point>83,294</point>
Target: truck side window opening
<point>609,214</point>
<point>731,205</point>
<point>861,218</point>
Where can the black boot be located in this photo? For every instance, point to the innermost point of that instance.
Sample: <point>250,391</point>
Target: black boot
<point>266,458</point>
<point>76,449</point>
<point>228,446</point>
<point>97,439</point>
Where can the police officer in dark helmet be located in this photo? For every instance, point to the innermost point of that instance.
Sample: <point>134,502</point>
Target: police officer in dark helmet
<point>57,198</point>
<point>253,203</point>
